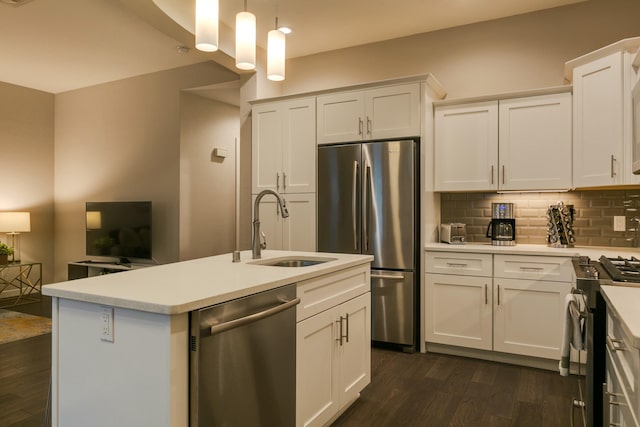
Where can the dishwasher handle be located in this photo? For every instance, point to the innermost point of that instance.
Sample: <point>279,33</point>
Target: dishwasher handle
<point>216,329</point>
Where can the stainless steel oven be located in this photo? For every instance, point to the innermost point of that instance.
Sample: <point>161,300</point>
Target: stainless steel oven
<point>615,271</point>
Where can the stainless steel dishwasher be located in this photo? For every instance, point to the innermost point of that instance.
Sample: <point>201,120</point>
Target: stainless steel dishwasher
<point>243,361</point>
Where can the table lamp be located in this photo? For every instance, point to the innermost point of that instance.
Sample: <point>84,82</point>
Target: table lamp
<point>14,223</point>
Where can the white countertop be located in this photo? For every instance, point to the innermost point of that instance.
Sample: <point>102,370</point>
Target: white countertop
<point>594,252</point>
<point>189,285</point>
<point>625,302</point>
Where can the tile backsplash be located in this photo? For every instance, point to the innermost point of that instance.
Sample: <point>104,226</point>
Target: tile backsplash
<point>594,212</point>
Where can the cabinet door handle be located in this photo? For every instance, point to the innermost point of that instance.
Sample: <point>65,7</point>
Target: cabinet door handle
<point>503,174</point>
<point>368,126</point>
<point>347,317</point>
<point>360,125</point>
<point>498,294</point>
<point>491,174</point>
<point>486,294</point>
<point>284,181</point>
<point>613,162</point>
<point>341,336</point>
<point>278,181</point>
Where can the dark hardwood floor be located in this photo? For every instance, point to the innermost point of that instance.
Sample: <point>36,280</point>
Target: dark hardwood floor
<point>441,390</point>
<point>25,368</point>
<point>406,389</point>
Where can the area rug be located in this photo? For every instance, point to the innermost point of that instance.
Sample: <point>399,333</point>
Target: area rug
<point>16,326</point>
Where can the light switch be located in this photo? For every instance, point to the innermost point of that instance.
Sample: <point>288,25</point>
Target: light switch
<point>619,223</point>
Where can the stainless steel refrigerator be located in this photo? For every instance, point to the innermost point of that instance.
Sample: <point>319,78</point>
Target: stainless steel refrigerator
<point>367,203</point>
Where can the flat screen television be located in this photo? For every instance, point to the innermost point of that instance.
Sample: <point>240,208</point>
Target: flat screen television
<point>119,230</point>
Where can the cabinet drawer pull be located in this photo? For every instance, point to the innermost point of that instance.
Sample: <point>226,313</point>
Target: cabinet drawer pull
<point>531,268</point>
<point>615,344</point>
<point>457,264</point>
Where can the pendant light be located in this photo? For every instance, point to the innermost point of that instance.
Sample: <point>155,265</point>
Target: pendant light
<point>207,25</point>
<point>275,54</point>
<point>245,39</point>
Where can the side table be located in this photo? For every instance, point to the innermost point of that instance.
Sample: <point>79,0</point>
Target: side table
<point>20,283</point>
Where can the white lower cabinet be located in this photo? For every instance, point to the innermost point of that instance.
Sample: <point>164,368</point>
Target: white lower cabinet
<point>528,317</point>
<point>458,310</point>
<point>516,307</point>
<point>621,394</point>
<point>333,345</point>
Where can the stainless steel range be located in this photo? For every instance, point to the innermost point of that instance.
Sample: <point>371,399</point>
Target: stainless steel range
<point>590,275</point>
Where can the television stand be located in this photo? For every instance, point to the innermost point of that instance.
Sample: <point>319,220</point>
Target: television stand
<point>88,268</point>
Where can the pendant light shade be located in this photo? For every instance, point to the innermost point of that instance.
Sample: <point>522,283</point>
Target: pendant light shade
<point>207,25</point>
<point>275,55</point>
<point>246,40</point>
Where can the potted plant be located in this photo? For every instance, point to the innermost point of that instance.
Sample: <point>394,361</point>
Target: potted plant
<point>5,251</point>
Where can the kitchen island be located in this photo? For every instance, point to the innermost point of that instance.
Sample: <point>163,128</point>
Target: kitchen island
<point>120,342</point>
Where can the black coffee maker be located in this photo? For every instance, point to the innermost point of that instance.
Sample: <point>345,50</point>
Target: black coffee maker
<point>502,228</point>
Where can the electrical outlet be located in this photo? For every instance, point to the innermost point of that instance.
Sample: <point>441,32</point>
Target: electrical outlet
<point>619,223</point>
<point>106,324</point>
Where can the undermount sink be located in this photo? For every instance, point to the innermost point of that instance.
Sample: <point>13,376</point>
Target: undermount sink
<point>293,261</point>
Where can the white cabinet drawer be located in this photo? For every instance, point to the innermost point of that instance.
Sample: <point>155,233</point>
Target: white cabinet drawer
<point>459,263</point>
<point>556,269</point>
<point>624,357</point>
<point>322,293</point>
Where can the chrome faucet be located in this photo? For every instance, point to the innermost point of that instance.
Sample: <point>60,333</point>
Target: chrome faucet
<point>258,245</point>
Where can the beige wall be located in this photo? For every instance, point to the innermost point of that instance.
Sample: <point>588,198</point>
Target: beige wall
<point>518,53</point>
<point>26,144</point>
<point>121,141</point>
<point>207,182</point>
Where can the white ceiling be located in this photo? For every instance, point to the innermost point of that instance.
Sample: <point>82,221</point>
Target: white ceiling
<point>60,45</point>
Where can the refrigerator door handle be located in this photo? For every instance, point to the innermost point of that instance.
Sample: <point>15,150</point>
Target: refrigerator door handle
<point>365,198</point>
<point>387,276</point>
<point>354,205</point>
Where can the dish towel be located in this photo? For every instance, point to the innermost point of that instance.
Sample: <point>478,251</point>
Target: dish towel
<point>573,331</point>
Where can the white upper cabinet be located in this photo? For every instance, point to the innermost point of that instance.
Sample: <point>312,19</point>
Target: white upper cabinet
<point>509,144</point>
<point>283,146</point>
<point>598,122</point>
<point>535,143</point>
<point>602,115</point>
<point>294,233</point>
<point>466,147</point>
<point>340,117</point>
<point>385,112</point>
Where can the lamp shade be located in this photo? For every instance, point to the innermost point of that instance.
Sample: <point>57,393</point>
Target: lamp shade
<point>275,55</point>
<point>207,12</point>
<point>15,222</point>
<point>246,41</point>
<point>94,220</point>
